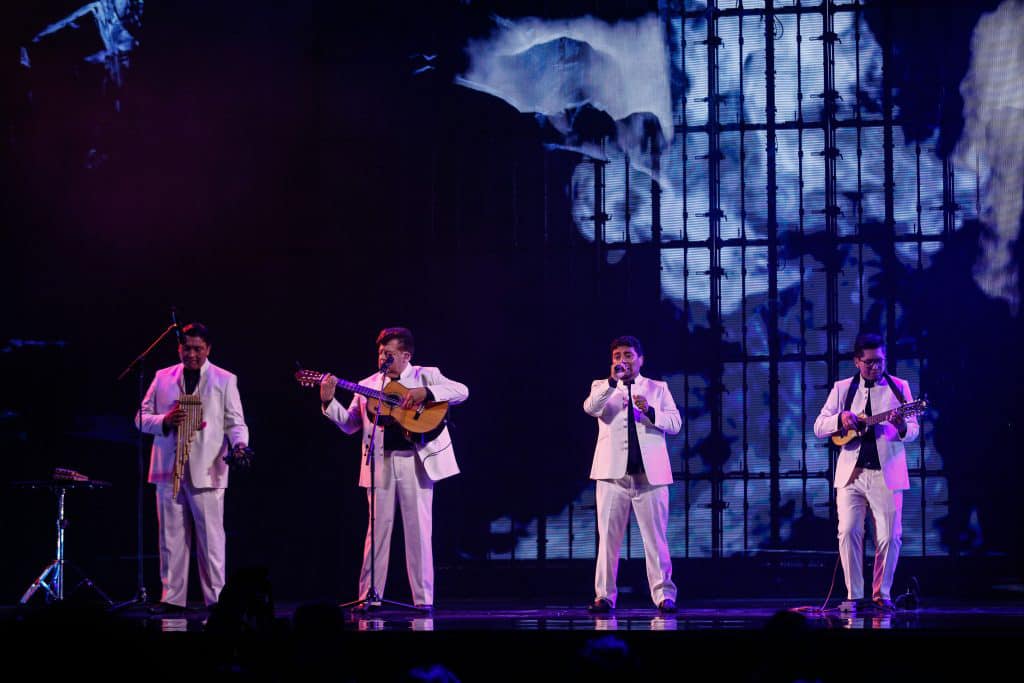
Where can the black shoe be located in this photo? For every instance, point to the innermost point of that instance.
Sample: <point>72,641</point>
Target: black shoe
<point>600,606</point>
<point>667,606</point>
<point>884,605</point>
<point>167,608</point>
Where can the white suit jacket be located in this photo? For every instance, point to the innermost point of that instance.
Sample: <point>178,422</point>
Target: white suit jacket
<point>437,455</point>
<point>225,425</point>
<point>891,453</point>
<point>609,406</point>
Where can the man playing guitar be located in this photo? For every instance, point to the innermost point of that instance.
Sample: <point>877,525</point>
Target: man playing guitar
<point>406,463</point>
<point>871,473</point>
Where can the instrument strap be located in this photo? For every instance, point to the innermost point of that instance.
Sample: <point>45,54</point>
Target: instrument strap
<point>851,392</point>
<point>895,387</point>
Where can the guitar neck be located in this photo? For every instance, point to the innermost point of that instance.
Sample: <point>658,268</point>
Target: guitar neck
<point>878,419</point>
<point>908,408</point>
<point>360,389</point>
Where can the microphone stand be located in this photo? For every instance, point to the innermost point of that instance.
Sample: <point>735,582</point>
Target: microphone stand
<point>373,599</point>
<point>141,597</point>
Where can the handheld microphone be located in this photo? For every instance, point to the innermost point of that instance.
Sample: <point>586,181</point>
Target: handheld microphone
<point>177,327</point>
<point>619,369</point>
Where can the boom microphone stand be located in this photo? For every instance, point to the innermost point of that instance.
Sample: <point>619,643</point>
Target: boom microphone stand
<point>141,597</point>
<point>372,598</point>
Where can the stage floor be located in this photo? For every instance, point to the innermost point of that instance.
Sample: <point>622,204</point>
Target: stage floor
<point>719,615</point>
<point>727,615</point>
<point>748,640</point>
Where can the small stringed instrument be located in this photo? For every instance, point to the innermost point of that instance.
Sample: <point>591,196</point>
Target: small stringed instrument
<point>419,420</point>
<point>845,436</point>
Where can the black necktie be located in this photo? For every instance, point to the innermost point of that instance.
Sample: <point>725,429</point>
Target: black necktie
<point>868,456</point>
<point>634,459</point>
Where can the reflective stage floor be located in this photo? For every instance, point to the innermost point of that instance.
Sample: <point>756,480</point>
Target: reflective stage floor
<point>730,615</point>
<point>749,640</point>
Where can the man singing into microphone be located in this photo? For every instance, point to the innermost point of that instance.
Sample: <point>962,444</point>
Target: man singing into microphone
<point>871,474</point>
<point>632,470</point>
<point>406,465</point>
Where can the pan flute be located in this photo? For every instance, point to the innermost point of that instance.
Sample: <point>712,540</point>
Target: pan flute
<point>193,408</point>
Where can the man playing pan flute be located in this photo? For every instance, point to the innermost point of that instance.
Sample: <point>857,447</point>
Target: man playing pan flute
<point>195,415</point>
<point>406,463</point>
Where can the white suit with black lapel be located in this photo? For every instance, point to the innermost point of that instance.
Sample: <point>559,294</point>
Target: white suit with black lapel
<point>892,453</point>
<point>859,490</point>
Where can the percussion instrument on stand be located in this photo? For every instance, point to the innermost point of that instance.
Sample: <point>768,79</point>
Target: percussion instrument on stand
<point>52,578</point>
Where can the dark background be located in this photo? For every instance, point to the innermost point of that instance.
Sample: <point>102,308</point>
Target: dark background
<point>276,171</point>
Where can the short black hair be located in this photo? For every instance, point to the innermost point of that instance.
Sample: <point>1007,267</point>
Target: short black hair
<point>196,330</point>
<point>627,340</point>
<point>402,334</point>
<point>867,340</point>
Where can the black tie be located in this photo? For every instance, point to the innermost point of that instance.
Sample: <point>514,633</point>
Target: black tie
<point>634,459</point>
<point>868,456</point>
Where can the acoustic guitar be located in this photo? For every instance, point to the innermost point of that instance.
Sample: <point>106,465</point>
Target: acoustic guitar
<point>845,436</point>
<point>420,419</point>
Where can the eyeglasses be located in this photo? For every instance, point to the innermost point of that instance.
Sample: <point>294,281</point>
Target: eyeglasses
<point>872,362</point>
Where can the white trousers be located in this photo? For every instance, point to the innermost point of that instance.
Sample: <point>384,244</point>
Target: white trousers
<point>413,490</point>
<point>615,497</point>
<point>195,515</point>
<point>866,493</point>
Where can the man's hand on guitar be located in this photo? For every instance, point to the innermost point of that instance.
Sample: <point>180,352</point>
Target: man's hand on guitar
<point>849,420</point>
<point>899,422</point>
<point>327,386</point>
<point>414,398</point>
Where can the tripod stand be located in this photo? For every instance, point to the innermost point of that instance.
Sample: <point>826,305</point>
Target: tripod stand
<point>52,578</point>
<point>373,599</point>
